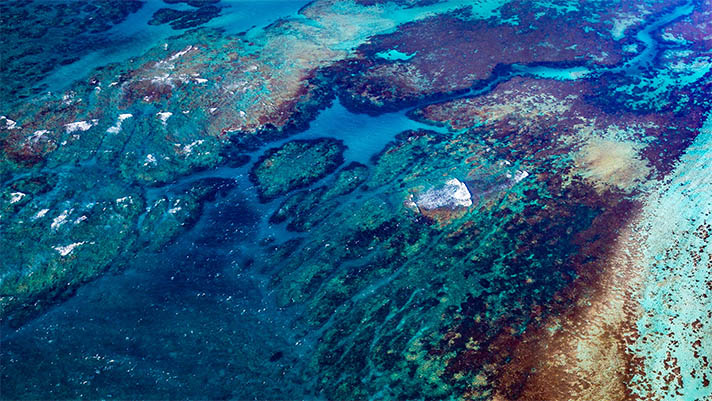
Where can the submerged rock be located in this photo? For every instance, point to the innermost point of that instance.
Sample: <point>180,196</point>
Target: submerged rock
<point>441,204</point>
<point>452,195</point>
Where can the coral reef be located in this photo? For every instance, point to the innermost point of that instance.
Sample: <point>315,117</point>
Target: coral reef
<point>477,45</point>
<point>294,165</point>
<point>183,19</point>
<point>305,208</point>
<point>58,233</point>
<point>541,234</point>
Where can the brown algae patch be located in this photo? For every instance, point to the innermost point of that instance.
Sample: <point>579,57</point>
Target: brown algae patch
<point>581,354</point>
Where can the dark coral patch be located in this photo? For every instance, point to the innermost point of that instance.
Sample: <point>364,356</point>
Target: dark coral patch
<point>294,165</point>
<point>307,208</point>
<point>38,37</point>
<point>183,19</point>
<point>530,113</point>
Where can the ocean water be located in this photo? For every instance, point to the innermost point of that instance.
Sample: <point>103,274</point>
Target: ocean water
<point>188,322</point>
<point>243,15</point>
<point>194,320</point>
<point>134,36</point>
<point>197,320</point>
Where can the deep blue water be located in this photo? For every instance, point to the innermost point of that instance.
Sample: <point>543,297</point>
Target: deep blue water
<point>193,320</point>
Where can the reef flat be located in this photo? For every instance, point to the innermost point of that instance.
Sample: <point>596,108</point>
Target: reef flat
<point>363,199</point>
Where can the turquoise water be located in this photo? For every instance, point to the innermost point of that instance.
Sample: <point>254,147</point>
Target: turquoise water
<point>394,54</point>
<point>563,74</point>
<point>363,135</point>
<point>242,15</point>
<point>650,45</point>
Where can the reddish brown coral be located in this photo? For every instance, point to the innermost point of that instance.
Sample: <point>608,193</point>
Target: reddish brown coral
<point>547,117</point>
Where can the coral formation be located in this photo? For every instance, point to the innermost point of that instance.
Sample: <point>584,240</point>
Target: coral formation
<point>294,165</point>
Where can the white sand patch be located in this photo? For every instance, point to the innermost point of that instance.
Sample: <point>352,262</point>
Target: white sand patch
<point>176,208</point>
<point>79,126</point>
<point>61,219</point>
<point>520,175</point>
<point>66,250</point>
<point>9,124</point>
<point>117,127</point>
<point>180,53</point>
<point>187,149</point>
<point>40,214</point>
<point>16,197</point>
<point>68,97</point>
<point>150,159</point>
<point>37,135</point>
<point>164,116</point>
<point>163,79</point>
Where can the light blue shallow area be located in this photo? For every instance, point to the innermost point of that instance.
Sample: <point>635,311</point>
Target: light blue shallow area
<point>394,54</point>
<point>242,15</point>
<point>363,135</point>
